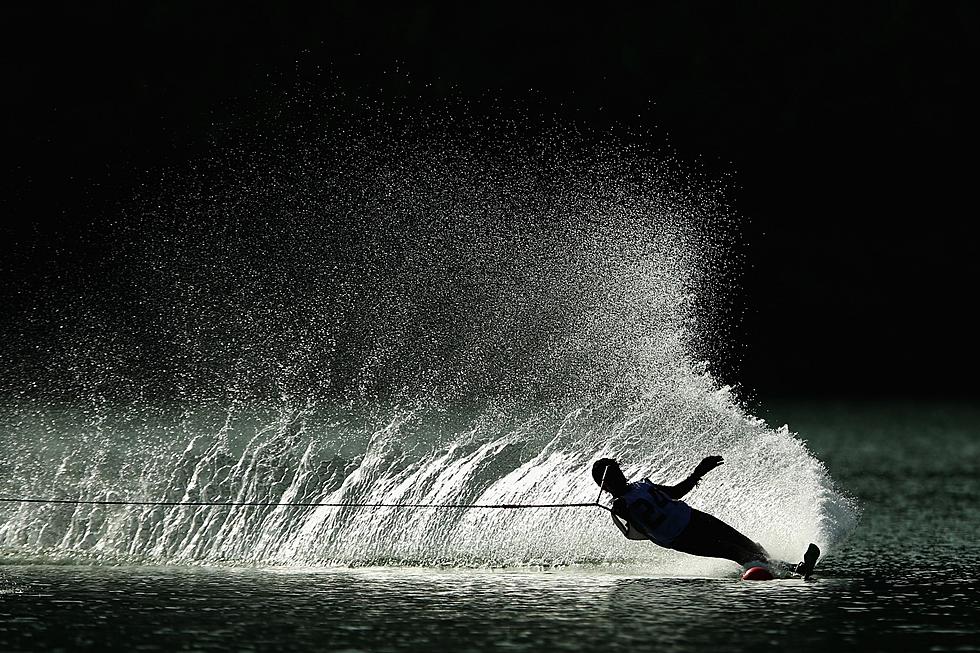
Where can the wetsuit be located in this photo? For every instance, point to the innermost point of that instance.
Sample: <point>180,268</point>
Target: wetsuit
<point>655,512</point>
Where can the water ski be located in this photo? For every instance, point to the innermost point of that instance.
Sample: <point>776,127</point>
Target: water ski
<point>758,570</point>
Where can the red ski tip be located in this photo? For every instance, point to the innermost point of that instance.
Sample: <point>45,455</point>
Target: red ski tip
<point>757,573</point>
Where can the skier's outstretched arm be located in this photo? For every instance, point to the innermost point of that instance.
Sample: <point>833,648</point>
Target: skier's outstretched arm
<point>688,484</point>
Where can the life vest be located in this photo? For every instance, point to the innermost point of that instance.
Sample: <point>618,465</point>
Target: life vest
<point>650,511</point>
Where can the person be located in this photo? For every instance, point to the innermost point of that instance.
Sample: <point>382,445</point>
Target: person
<point>656,512</point>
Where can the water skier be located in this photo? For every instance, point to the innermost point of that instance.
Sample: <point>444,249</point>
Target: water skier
<point>656,512</point>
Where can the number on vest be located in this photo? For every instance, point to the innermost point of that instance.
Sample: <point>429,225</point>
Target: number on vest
<point>650,517</point>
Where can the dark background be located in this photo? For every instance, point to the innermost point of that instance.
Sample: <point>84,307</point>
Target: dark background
<point>850,130</point>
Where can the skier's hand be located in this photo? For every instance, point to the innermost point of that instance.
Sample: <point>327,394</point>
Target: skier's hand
<point>708,464</point>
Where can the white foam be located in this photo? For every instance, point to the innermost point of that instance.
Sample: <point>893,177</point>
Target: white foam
<point>396,316</point>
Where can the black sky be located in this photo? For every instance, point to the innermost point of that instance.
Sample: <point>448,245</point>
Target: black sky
<point>850,130</point>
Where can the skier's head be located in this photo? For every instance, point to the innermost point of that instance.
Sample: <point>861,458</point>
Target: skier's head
<point>609,476</point>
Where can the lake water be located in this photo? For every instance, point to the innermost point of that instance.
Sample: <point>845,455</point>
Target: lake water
<point>376,308</point>
<point>905,579</point>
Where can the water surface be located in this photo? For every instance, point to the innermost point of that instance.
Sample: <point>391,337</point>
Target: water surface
<point>906,578</point>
